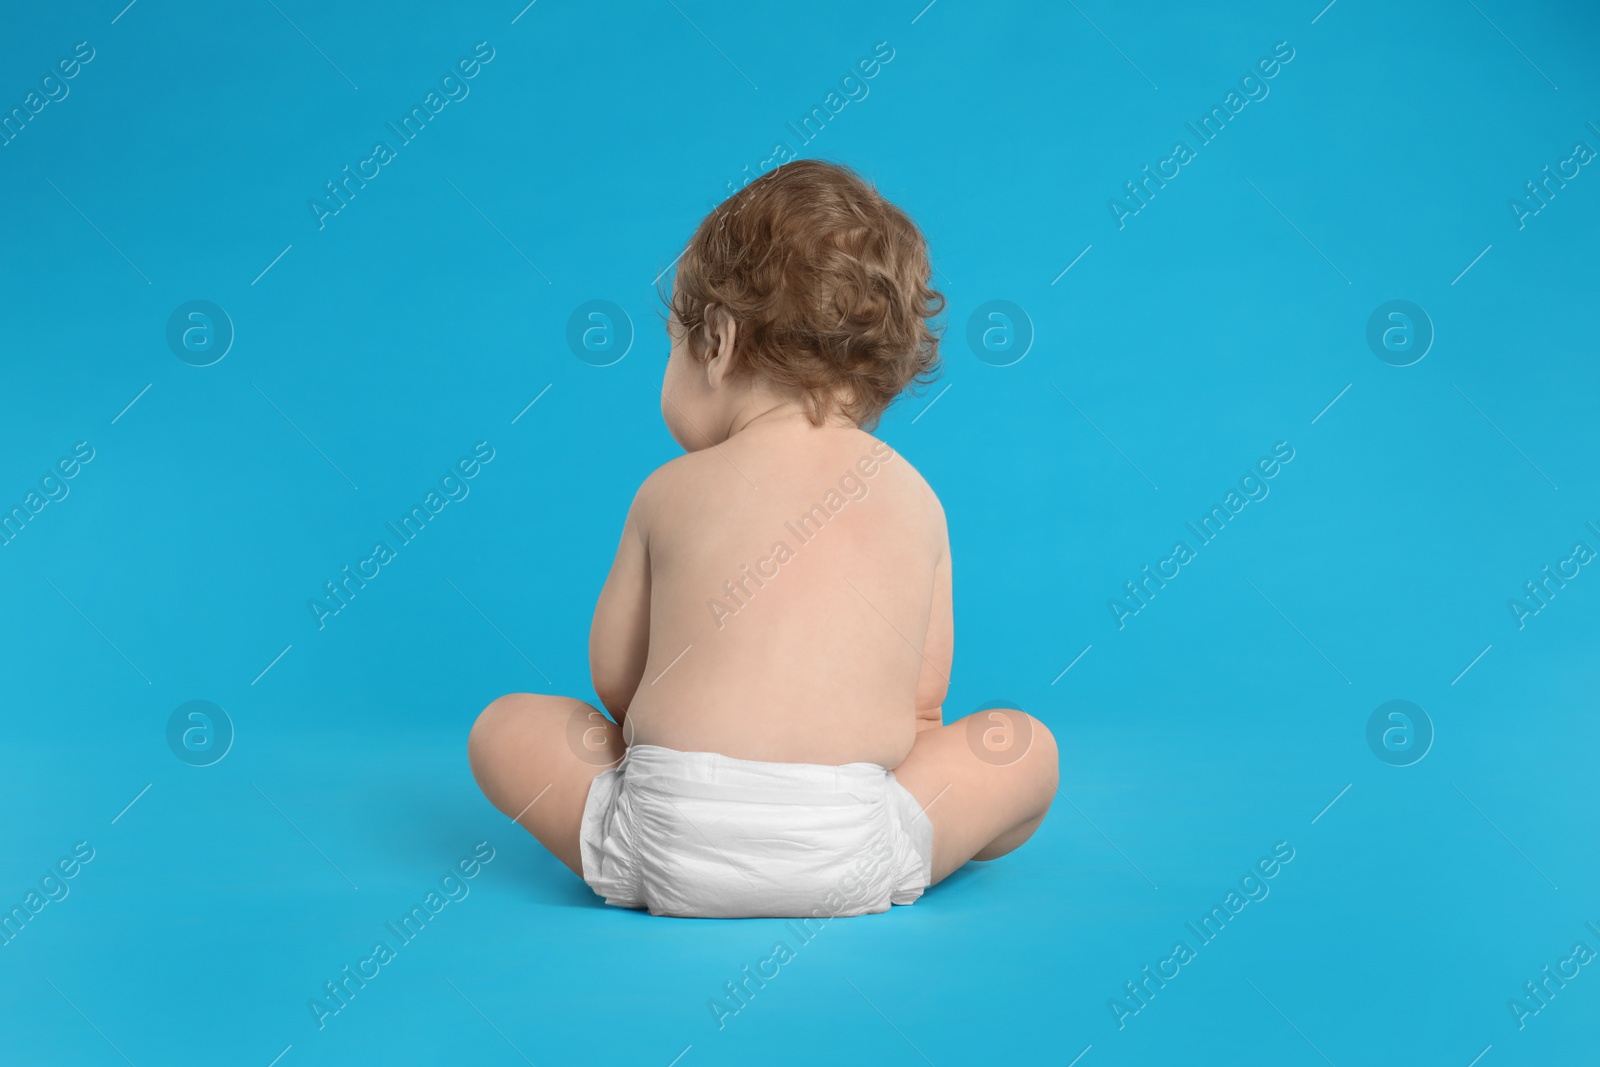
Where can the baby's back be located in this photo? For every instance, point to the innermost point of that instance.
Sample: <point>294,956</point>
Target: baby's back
<point>792,579</point>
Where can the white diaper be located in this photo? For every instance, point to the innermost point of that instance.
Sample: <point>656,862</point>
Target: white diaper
<point>705,835</point>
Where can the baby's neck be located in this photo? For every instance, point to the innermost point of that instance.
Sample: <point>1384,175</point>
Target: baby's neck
<point>772,414</point>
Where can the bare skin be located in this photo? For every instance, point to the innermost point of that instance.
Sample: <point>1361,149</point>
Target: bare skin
<point>781,592</point>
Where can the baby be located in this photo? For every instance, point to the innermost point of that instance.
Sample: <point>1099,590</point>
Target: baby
<point>774,639</point>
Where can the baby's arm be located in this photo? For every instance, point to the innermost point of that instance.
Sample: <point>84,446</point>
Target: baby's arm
<point>938,649</point>
<point>619,636</point>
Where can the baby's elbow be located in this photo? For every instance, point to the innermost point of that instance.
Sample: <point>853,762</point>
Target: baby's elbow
<point>616,666</point>
<point>603,670</point>
<point>932,689</point>
<point>612,698</point>
<point>608,687</point>
<point>614,685</point>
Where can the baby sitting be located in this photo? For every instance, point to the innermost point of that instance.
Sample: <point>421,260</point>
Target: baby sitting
<point>774,640</point>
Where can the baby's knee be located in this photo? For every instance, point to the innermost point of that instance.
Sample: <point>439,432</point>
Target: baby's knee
<point>503,717</point>
<point>529,722</point>
<point>1043,764</point>
<point>489,724</point>
<point>1023,751</point>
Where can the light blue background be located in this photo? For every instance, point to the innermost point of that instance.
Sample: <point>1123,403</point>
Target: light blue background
<point>1222,318</point>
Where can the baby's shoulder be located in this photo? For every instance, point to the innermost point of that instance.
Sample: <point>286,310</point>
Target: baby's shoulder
<point>894,469</point>
<point>681,484</point>
<point>682,474</point>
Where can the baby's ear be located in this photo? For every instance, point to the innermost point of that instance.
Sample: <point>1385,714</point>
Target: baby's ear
<point>721,331</point>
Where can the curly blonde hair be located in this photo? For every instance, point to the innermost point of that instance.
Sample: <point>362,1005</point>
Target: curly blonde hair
<point>828,284</point>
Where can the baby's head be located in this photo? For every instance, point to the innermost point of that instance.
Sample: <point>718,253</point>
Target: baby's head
<point>806,288</point>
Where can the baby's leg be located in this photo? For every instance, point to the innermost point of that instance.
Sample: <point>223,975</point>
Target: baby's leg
<point>985,782</point>
<point>534,757</point>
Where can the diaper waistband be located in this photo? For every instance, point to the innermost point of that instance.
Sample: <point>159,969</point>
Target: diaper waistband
<point>713,776</point>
